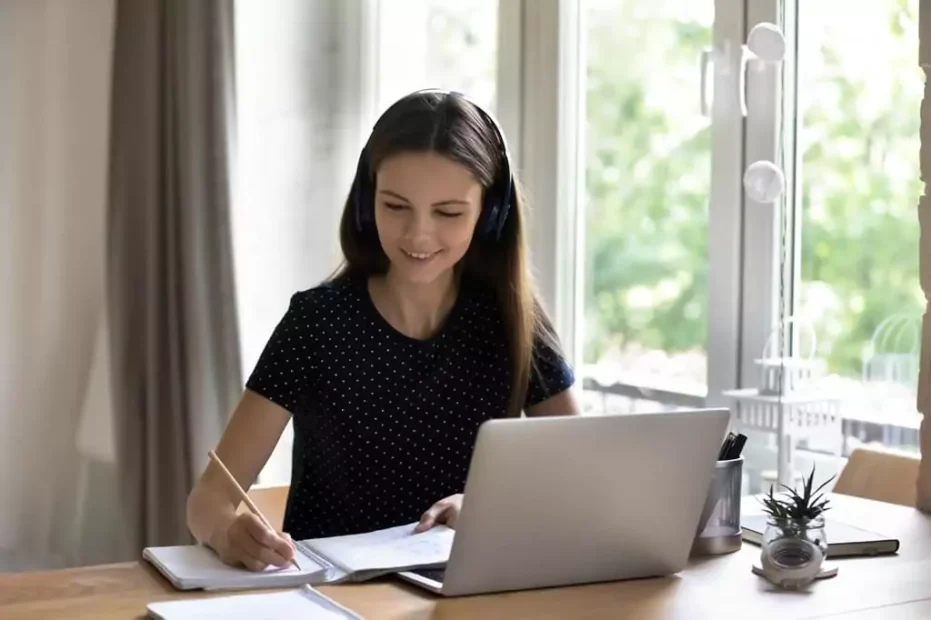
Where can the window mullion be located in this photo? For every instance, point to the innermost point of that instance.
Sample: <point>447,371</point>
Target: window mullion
<point>549,155</point>
<point>509,88</point>
<point>762,221</point>
<point>725,211</point>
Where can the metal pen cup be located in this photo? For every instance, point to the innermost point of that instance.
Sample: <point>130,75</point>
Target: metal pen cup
<point>718,529</point>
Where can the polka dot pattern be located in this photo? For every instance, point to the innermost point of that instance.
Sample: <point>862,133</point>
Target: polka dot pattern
<point>384,424</point>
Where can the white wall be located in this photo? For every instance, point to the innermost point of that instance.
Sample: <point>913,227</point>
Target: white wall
<point>298,137</point>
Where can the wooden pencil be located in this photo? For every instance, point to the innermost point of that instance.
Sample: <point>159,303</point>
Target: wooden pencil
<point>244,497</point>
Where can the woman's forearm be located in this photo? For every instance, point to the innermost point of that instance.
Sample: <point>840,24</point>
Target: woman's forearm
<point>247,442</point>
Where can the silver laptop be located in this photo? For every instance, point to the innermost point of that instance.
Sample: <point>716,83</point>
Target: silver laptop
<point>581,499</point>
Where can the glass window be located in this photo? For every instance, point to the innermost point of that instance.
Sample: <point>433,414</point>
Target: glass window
<point>859,96</point>
<point>647,184</point>
<point>608,402</point>
<point>437,44</point>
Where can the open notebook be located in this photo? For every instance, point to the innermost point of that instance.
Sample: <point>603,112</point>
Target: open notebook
<point>304,602</point>
<point>323,560</point>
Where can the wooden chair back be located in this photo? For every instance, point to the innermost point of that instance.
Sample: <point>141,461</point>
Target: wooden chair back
<point>881,475</point>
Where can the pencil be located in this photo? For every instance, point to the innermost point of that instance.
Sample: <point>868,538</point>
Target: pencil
<point>245,498</point>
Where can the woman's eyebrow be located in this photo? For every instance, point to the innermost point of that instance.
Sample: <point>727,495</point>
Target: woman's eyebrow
<point>394,195</point>
<point>441,203</point>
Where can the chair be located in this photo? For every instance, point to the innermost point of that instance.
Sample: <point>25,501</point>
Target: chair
<point>881,475</point>
<point>271,500</point>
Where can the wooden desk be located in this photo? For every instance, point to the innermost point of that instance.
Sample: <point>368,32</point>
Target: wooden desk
<point>888,587</point>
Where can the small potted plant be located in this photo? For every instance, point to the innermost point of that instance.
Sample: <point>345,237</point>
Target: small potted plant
<point>794,543</point>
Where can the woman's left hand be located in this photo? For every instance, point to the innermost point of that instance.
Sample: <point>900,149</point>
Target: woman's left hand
<point>445,511</point>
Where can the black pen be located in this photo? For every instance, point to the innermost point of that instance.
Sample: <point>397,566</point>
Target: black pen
<point>737,446</point>
<point>726,446</point>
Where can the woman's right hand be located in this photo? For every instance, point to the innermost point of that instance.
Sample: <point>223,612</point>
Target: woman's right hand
<point>247,542</point>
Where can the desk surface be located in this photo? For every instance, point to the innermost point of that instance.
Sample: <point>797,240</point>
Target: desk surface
<point>896,586</point>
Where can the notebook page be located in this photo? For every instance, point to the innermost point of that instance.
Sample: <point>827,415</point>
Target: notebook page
<point>389,549</point>
<point>271,606</point>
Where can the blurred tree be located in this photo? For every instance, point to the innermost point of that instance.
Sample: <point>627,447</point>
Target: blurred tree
<point>648,174</point>
<point>647,180</point>
<point>860,179</point>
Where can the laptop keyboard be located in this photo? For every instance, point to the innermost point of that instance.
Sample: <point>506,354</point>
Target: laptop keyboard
<point>436,574</point>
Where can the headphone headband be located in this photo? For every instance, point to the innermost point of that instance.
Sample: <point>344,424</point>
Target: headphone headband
<point>498,197</point>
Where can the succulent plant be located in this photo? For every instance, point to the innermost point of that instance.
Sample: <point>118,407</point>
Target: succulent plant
<point>798,507</point>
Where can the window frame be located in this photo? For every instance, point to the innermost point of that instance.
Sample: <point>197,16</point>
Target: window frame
<point>743,237</point>
<point>545,129</point>
<point>762,307</point>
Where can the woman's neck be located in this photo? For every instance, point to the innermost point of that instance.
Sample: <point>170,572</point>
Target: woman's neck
<point>415,310</point>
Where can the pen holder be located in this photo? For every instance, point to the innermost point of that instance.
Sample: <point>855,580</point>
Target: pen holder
<point>719,525</point>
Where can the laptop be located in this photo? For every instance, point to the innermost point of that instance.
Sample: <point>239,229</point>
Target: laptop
<point>579,499</point>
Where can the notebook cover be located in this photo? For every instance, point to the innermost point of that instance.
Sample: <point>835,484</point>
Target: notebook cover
<point>843,538</point>
<point>194,567</point>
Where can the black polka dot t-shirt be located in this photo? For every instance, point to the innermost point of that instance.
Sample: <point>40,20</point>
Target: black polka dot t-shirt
<point>384,424</point>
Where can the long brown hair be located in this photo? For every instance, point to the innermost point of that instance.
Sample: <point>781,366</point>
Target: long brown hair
<point>452,126</point>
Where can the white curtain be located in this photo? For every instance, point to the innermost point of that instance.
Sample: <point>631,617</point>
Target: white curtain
<point>56,448</point>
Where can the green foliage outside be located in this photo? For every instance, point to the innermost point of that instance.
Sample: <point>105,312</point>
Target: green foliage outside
<point>648,176</point>
<point>647,180</point>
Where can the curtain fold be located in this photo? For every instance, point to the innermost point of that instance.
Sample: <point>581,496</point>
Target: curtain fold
<point>55,60</point>
<point>170,285</point>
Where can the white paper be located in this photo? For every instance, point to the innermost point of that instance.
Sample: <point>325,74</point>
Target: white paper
<point>270,606</point>
<point>390,549</point>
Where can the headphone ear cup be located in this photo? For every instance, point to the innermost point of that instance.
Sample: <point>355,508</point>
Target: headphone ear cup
<point>495,211</point>
<point>363,201</point>
<point>502,219</point>
<point>489,222</point>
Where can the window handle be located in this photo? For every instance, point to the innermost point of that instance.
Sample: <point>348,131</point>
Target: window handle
<point>764,182</point>
<point>765,43</point>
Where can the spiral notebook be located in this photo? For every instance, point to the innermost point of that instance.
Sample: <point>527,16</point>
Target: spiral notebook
<point>304,602</point>
<point>323,560</point>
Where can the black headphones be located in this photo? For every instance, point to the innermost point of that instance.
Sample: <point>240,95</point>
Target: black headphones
<point>498,197</point>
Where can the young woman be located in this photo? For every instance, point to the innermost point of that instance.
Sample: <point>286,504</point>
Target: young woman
<point>430,328</point>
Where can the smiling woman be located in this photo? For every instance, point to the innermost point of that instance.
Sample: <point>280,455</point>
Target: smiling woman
<point>436,147</point>
<point>431,327</point>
